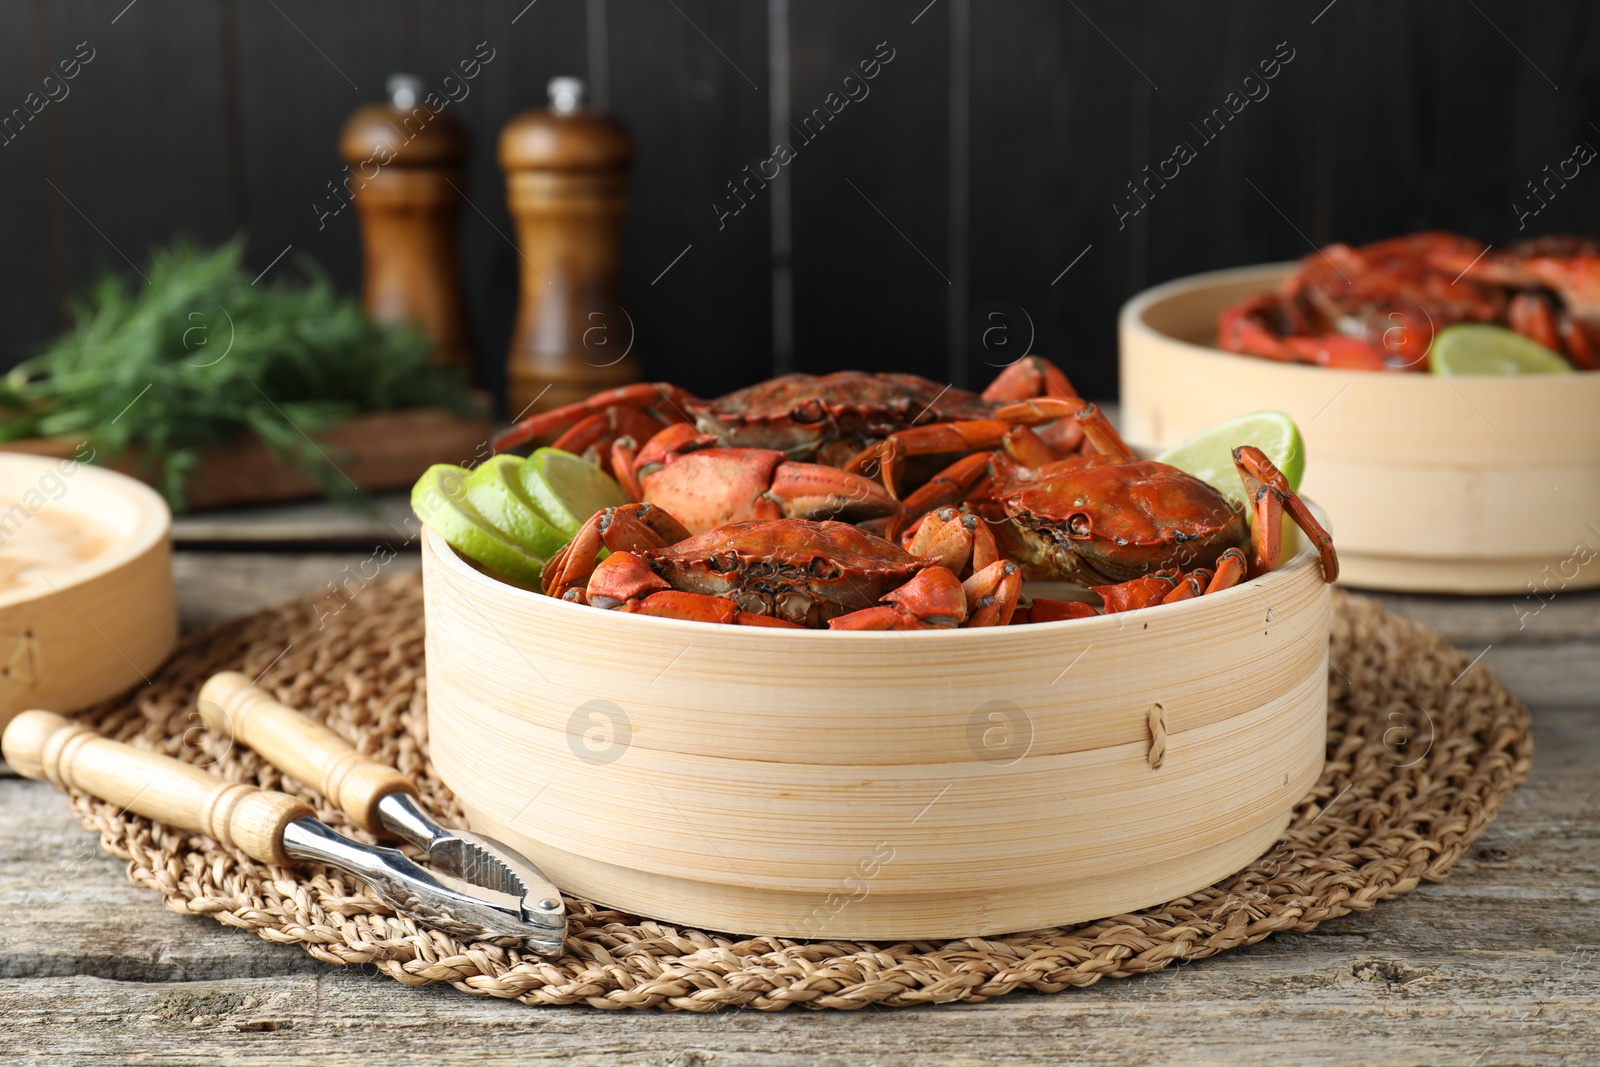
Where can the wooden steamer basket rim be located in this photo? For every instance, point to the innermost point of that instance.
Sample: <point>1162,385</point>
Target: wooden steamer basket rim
<point>745,773</point>
<point>144,519</point>
<point>103,624</point>
<point>1465,484</point>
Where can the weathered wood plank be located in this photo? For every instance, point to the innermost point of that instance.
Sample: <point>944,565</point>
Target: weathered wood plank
<point>1502,962</point>
<point>1472,622</point>
<point>312,523</point>
<point>213,586</point>
<point>1359,1007</point>
<point>1514,932</point>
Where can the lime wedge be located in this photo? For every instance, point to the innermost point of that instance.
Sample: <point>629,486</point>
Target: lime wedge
<point>1478,348</point>
<point>440,499</point>
<point>495,490</point>
<point>568,490</point>
<point>1208,455</point>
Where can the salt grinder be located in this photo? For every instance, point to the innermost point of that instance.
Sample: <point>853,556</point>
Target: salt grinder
<point>405,177</point>
<point>566,185</point>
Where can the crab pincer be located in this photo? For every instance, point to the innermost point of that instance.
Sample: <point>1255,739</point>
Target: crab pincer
<point>706,485</point>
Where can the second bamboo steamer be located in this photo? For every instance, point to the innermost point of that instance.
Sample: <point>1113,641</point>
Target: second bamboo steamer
<point>1435,484</point>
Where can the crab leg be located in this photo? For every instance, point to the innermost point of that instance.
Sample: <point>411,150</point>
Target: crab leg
<point>699,607</point>
<point>1532,315</point>
<point>933,599</point>
<point>1192,585</point>
<point>709,488</point>
<point>1270,497</point>
<point>628,529</point>
<point>1230,571</point>
<point>624,460</point>
<point>950,486</point>
<point>585,433</point>
<point>556,420</point>
<point>1096,427</point>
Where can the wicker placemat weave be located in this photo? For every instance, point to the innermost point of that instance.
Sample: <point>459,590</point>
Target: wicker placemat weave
<point>1421,751</point>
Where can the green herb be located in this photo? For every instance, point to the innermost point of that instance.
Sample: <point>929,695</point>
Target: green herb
<point>200,355</point>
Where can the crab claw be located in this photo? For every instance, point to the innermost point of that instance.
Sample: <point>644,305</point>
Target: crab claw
<point>951,538</point>
<point>1027,378</point>
<point>992,594</point>
<point>699,607</point>
<point>621,577</point>
<point>629,528</point>
<point>1056,610</point>
<point>934,599</point>
<point>1136,593</point>
<point>710,486</point>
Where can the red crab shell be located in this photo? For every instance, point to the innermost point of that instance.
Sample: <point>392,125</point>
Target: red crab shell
<point>794,569</point>
<point>1099,519</point>
<point>802,414</point>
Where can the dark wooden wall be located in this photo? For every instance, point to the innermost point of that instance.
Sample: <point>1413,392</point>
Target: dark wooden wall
<point>986,159</point>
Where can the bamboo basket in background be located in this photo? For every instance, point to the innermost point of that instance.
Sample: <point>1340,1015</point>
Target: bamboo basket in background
<point>1446,485</point>
<point>878,785</point>
<point>85,632</point>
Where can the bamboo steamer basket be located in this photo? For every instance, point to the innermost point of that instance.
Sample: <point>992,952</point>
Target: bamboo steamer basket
<point>88,631</point>
<point>879,785</point>
<point>1446,485</point>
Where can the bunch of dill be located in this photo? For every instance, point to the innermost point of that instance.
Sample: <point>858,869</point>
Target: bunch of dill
<point>200,356</point>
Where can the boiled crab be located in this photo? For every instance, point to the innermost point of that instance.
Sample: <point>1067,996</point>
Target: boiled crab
<point>1379,306</point>
<point>1134,527</point>
<point>781,572</point>
<point>828,418</point>
<point>703,484</point>
<point>1555,291</point>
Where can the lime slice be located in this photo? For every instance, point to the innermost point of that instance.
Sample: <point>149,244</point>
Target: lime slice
<point>495,490</point>
<point>1478,348</point>
<point>440,499</point>
<point>1208,455</point>
<point>568,490</point>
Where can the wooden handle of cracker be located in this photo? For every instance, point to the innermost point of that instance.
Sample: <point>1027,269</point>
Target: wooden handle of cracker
<point>301,747</point>
<point>41,744</point>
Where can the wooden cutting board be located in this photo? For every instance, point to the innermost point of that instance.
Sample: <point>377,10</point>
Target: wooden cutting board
<point>377,451</point>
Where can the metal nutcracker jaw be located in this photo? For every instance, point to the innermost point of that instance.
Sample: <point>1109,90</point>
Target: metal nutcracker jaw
<point>480,860</point>
<point>439,900</point>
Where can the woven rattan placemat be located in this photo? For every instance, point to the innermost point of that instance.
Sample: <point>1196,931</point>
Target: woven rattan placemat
<point>1422,748</point>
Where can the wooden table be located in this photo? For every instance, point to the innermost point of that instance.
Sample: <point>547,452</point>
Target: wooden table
<point>1499,965</point>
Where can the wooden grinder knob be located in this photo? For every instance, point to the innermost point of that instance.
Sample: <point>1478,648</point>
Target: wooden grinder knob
<point>405,177</point>
<point>566,185</point>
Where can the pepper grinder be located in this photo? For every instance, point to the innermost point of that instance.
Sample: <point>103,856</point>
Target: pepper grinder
<point>566,185</point>
<point>405,176</point>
